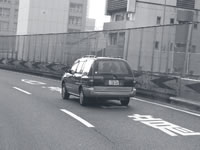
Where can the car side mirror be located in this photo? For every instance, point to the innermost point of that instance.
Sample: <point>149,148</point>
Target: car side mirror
<point>84,74</point>
<point>68,71</point>
<point>71,71</point>
<point>135,83</point>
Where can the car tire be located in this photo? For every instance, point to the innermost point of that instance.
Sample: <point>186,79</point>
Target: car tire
<point>83,100</point>
<point>64,92</point>
<point>125,101</point>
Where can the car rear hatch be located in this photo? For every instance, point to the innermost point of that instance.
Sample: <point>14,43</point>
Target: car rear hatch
<point>112,75</point>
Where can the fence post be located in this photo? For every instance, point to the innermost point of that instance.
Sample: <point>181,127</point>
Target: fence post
<point>140,49</point>
<point>28,53</point>
<point>187,55</point>
<point>23,48</point>
<point>47,49</point>
<point>168,49</point>
<point>126,47</point>
<point>35,44</point>
<point>153,50</point>
<point>17,47</point>
<point>161,48</point>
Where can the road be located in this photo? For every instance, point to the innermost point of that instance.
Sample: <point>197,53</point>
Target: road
<point>34,117</point>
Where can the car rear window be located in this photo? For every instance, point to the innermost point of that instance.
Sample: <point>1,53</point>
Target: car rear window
<point>112,67</point>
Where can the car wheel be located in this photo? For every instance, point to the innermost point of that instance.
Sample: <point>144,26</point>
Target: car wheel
<point>64,92</point>
<point>125,101</point>
<point>83,100</point>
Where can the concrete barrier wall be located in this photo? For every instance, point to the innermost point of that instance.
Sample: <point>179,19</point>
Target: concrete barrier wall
<point>156,85</point>
<point>148,84</point>
<point>44,69</point>
<point>190,89</point>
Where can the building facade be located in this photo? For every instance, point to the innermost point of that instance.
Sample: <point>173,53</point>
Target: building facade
<point>51,16</point>
<point>8,16</point>
<point>174,41</point>
<point>142,13</point>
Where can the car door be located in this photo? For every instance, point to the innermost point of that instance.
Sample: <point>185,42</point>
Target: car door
<point>77,77</point>
<point>69,78</point>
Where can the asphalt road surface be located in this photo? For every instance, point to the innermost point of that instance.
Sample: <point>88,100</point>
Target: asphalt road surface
<point>34,117</point>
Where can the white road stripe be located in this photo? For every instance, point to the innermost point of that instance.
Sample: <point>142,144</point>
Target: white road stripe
<point>188,79</point>
<point>78,118</point>
<point>22,90</point>
<point>188,112</point>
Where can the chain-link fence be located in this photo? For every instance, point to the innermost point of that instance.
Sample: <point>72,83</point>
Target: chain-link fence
<point>165,49</point>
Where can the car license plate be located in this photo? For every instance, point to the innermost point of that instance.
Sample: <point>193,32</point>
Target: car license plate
<point>113,82</point>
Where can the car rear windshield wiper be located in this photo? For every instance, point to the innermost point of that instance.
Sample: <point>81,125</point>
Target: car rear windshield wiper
<point>109,74</point>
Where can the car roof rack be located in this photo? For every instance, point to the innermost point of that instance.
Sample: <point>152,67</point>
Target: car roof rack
<point>90,56</point>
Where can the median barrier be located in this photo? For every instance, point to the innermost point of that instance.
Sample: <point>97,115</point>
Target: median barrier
<point>156,85</point>
<point>171,88</point>
<point>190,89</point>
<point>43,69</point>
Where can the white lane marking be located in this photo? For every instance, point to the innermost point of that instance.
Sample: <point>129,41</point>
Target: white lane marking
<point>161,105</point>
<point>167,127</point>
<point>78,118</point>
<point>188,79</point>
<point>57,89</point>
<point>22,90</point>
<point>33,82</point>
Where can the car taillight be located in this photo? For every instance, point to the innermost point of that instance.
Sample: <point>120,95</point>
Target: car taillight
<point>90,82</point>
<point>129,81</point>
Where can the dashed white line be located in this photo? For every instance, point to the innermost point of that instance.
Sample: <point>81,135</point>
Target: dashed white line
<point>28,93</point>
<point>180,110</point>
<point>78,118</point>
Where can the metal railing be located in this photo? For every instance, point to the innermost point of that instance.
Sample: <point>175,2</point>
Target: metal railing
<point>164,49</point>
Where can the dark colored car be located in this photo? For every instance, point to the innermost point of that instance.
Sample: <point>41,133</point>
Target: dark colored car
<point>104,78</point>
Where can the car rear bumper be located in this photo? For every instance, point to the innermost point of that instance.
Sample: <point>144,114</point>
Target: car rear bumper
<point>109,92</point>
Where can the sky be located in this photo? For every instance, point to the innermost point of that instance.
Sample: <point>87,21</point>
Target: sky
<point>97,11</point>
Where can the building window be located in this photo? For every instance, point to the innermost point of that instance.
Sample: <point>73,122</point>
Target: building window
<point>4,25</point>
<point>158,22</point>
<point>183,22</point>
<point>121,40</point>
<point>16,13</point>
<point>119,17</point>
<point>75,20</point>
<point>16,2</point>
<point>171,20</point>
<point>5,12</point>
<point>15,26</point>
<point>156,46</point>
<point>5,1</point>
<point>75,7</point>
<point>130,16</point>
<point>113,38</point>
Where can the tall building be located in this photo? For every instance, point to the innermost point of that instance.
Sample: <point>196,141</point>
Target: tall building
<point>164,49</point>
<point>51,16</point>
<point>8,16</point>
<point>141,13</point>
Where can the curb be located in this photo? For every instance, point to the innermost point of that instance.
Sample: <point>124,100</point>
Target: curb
<point>190,104</point>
